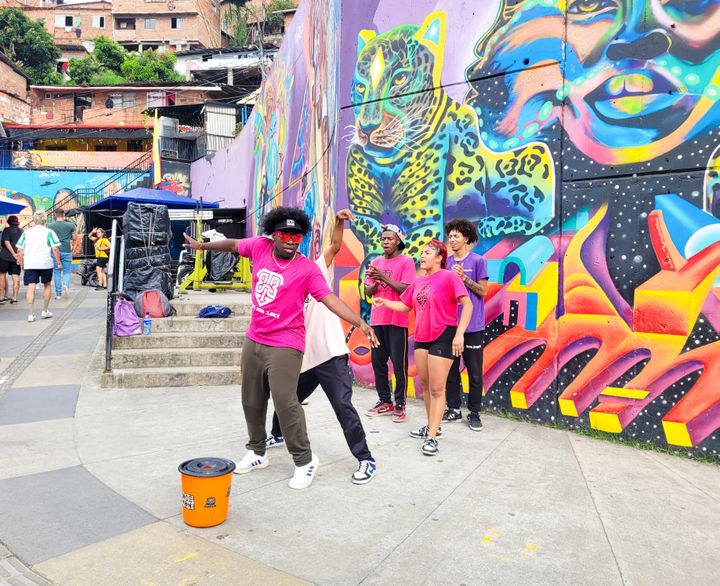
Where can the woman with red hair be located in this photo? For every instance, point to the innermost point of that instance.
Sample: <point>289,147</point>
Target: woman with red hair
<point>438,336</point>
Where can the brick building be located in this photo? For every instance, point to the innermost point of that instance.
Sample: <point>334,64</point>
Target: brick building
<point>173,24</point>
<point>70,24</point>
<point>110,105</point>
<point>136,24</point>
<point>14,99</point>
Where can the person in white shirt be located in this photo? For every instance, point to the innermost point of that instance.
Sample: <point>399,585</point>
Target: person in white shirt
<point>325,363</point>
<point>34,249</point>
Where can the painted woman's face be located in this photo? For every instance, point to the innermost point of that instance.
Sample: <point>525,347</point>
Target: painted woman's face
<point>641,76</point>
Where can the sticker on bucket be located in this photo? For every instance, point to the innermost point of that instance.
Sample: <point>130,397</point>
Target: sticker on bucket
<point>188,501</point>
<point>210,502</point>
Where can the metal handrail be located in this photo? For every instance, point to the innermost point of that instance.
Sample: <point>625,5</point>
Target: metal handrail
<point>115,278</point>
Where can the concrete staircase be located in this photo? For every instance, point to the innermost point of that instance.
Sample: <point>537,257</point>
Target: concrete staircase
<point>184,350</point>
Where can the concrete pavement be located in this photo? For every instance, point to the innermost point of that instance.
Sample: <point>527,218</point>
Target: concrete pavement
<point>90,493</point>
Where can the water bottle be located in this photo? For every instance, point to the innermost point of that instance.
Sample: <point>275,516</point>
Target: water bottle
<point>147,324</point>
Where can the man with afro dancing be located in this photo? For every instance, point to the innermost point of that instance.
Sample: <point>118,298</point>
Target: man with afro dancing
<point>275,341</point>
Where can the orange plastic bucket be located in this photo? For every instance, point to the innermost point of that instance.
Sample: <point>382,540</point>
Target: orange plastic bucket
<point>206,490</point>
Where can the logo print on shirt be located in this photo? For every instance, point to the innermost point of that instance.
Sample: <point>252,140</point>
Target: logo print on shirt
<point>387,273</point>
<point>267,286</point>
<point>422,295</point>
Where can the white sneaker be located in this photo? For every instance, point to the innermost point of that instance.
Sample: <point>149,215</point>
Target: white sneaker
<point>31,318</point>
<point>251,461</point>
<point>46,314</point>
<point>304,475</point>
<point>58,297</point>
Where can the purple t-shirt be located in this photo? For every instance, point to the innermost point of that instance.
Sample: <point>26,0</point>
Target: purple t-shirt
<point>475,269</point>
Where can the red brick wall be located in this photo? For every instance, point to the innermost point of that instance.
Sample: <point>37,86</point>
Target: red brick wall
<point>14,101</point>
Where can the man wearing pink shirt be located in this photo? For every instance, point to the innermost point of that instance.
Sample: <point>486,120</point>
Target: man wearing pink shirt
<point>275,341</point>
<point>387,277</point>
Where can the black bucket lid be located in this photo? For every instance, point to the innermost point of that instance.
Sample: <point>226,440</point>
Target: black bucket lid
<point>207,467</point>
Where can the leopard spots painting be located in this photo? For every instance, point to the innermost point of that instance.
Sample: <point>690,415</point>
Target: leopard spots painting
<point>416,157</point>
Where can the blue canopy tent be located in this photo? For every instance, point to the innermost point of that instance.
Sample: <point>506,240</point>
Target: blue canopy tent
<point>119,201</point>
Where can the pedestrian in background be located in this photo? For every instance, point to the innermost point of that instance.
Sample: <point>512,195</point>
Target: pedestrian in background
<point>34,249</point>
<point>9,259</point>
<point>102,248</point>
<point>64,231</point>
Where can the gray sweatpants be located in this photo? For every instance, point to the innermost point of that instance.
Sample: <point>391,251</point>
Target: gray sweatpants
<point>270,371</point>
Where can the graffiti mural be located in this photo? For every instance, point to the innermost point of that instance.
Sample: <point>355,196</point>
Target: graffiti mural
<point>581,137</point>
<point>42,189</point>
<point>175,177</point>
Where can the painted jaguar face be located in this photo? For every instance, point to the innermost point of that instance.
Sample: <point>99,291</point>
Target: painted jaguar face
<point>641,76</point>
<point>394,86</point>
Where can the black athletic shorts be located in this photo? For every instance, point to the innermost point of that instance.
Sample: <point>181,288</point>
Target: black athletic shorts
<point>442,346</point>
<point>102,262</point>
<point>35,276</point>
<point>9,266</point>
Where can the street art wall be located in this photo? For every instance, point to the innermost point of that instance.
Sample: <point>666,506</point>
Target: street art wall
<point>582,138</point>
<point>42,189</point>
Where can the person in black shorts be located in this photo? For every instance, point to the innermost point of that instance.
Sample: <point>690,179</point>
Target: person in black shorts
<point>439,334</point>
<point>9,259</point>
<point>35,247</point>
<point>102,248</point>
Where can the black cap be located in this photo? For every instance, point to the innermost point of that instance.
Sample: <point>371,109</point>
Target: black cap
<point>288,225</point>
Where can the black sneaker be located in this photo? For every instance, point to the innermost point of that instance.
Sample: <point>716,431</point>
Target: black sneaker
<point>422,433</point>
<point>473,421</point>
<point>452,415</point>
<point>430,447</point>
<point>274,441</point>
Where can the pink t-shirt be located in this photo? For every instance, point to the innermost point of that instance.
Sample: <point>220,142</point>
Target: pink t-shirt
<point>435,301</point>
<point>278,294</point>
<point>401,269</point>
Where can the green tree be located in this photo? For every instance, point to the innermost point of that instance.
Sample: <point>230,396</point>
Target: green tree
<point>150,66</point>
<point>274,20</point>
<point>110,55</point>
<point>247,20</point>
<point>29,45</point>
<point>83,71</point>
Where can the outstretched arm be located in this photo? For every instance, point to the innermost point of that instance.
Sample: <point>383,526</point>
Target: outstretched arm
<point>392,305</point>
<point>337,236</point>
<point>340,308</point>
<point>227,245</point>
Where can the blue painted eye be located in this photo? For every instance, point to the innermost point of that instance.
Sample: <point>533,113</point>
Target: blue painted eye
<point>360,88</point>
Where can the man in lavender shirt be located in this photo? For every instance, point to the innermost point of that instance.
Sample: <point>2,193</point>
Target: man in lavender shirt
<point>472,269</point>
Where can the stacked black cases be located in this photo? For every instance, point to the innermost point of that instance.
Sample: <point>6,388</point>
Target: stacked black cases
<point>146,228</point>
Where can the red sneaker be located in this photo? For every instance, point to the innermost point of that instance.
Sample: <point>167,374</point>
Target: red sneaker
<point>380,409</point>
<point>399,414</point>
